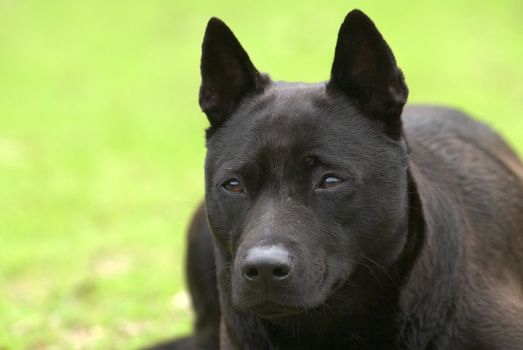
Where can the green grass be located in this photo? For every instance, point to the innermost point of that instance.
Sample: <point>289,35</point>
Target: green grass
<point>101,139</point>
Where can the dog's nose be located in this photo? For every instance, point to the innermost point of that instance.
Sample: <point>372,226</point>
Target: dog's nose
<point>267,265</point>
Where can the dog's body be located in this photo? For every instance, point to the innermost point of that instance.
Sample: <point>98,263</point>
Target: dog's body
<point>341,221</point>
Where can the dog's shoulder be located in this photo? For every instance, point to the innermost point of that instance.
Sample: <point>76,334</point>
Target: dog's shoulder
<point>463,153</point>
<point>474,178</point>
<point>471,187</point>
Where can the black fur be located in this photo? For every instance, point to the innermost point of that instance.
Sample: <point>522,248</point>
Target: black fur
<point>227,73</point>
<point>417,245</point>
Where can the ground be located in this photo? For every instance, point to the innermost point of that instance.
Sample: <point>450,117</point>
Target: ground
<point>101,139</point>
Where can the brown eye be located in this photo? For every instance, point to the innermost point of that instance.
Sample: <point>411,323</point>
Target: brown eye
<point>330,181</point>
<point>232,185</point>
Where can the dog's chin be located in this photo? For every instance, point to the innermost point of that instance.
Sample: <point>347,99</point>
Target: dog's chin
<point>278,307</point>
<point>274,311</point>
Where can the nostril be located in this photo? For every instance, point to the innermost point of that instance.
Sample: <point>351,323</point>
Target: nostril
<point>251,273</point>
<point>281,272</point>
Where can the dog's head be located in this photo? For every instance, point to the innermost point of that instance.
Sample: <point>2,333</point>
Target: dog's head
<point>304,182</point>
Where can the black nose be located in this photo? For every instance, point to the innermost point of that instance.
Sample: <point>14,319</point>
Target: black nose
<point>267,265</point>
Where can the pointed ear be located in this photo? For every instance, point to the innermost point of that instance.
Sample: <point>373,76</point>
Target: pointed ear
<point>365,70</point>
<point>227,73</point>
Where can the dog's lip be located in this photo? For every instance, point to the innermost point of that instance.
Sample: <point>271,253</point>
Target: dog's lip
<point>271,310</point>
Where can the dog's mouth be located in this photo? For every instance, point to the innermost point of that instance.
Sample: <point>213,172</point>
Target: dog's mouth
<point>270,310</point>
<point>284,299</point>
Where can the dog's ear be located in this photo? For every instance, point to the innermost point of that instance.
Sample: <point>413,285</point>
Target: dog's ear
<point>365,70</point>
<point>227,73</point>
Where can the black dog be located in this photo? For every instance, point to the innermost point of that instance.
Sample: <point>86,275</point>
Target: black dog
<point>341,221</point>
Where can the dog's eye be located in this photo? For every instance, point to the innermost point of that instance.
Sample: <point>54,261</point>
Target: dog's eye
<point>329,181</point>
<point>232,185</point>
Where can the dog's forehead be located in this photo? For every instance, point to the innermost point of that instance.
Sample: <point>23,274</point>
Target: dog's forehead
<point>302,115</point>
<point>286,116</point>
<point>286,101</point>
<point>290,121</point>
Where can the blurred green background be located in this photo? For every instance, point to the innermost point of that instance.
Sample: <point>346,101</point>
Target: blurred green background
<point>101,139</point>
